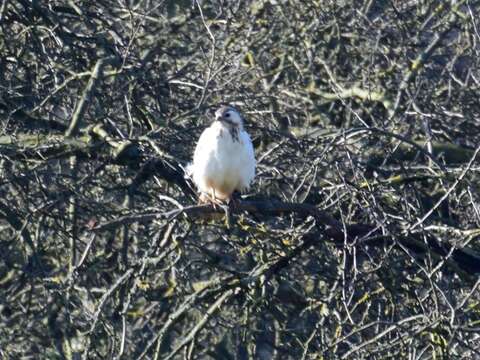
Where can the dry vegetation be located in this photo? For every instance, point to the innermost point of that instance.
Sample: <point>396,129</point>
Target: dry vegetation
<point>358,240</point>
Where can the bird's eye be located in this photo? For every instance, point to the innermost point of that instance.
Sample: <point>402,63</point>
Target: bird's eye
<point>227,115</point>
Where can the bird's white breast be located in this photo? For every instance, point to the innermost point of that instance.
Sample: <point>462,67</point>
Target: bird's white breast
<point>222,162</point>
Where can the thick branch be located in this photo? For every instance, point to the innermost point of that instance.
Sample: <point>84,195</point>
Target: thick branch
<point>461,259</point>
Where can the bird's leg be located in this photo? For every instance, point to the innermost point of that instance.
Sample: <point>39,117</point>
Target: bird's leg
<point>217,203</point>
<point>203,199</point>
<point>214,198</point>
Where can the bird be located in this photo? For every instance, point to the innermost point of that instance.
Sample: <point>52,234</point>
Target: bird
<point>224,159</point>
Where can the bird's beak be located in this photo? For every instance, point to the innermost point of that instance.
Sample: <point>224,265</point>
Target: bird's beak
<point>218,115</point>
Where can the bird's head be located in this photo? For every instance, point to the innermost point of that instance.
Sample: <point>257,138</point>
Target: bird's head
<point>230,116</point>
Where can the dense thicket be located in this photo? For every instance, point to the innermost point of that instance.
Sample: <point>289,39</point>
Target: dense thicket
<point>358,239</point>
